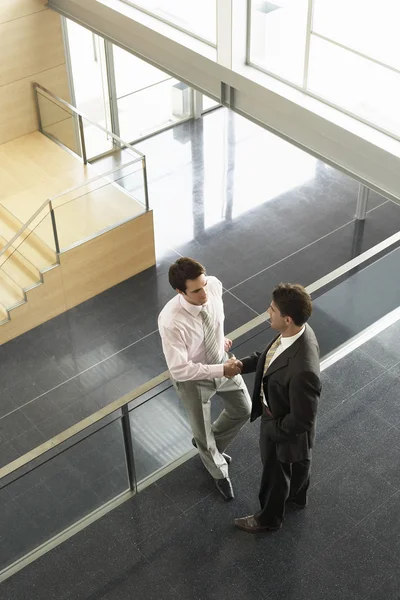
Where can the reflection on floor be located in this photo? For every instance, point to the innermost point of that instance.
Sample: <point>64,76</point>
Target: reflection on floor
<point>254,209</point>
<point>177,540</point>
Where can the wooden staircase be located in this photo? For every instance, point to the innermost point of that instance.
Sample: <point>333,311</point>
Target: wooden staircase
<point>22,265</point>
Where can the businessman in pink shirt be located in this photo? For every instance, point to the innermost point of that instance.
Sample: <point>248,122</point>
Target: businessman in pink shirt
<point>191,326</point>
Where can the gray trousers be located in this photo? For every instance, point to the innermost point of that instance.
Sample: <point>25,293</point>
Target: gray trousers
<point>213,438</point>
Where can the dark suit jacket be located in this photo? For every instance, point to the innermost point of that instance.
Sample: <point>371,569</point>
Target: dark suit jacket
<point>292,388</point>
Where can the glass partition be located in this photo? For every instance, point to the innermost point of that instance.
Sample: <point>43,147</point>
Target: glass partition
<point>61,490</point>
<point>59,123</point>
<point>99,204</point>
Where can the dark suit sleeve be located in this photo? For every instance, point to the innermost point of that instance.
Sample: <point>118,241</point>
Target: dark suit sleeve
<point>250,363</point>
<point>304,391</point>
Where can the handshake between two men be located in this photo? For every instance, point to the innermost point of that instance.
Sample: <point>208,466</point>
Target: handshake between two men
<point>232,366</point>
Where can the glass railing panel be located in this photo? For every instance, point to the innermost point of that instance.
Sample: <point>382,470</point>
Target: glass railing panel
<point>98,205</point>
<point>161,432</point>
<point>58,493</point>
<point>59,122</point>
<point>34,247</point>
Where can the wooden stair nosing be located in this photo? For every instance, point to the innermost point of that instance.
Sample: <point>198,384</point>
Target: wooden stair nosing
<point>20,263</point>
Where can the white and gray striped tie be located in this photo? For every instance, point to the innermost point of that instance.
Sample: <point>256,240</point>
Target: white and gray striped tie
<point>213,355</point>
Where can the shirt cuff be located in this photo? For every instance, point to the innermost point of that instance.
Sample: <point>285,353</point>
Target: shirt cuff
<point>216,371</point>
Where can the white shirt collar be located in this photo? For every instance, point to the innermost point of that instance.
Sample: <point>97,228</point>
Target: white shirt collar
<point>288,341</point>
<point>192,309</point>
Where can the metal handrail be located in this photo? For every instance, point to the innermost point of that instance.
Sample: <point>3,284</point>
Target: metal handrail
<point>81,114</point>
<point>24,226</point>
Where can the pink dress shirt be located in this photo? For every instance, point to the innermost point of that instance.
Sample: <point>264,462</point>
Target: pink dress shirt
<point>181,328</point>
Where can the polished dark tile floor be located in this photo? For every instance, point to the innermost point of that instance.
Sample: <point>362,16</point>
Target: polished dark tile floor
<point>253,208</point>
<point>176,539</point>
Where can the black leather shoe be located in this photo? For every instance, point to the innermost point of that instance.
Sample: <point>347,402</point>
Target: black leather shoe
<point>251,525</point>
<point>226,456</point>
<point>224,486</point>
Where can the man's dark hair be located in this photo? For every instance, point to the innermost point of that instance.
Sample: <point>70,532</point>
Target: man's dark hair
<point>293,301</point>
<point>183,269</point>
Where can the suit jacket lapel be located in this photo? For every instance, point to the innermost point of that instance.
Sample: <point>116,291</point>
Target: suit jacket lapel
<point>283,359</point>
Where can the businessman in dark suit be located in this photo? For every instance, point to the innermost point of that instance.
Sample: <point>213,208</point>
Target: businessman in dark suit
<point>286,393</point>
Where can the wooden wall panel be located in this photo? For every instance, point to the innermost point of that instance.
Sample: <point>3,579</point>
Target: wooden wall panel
<point>84,272</point>
<point>17,108</point>
<point>108,259</point>
<point>30,45</point>
<point>31,49</point>
<point>15,9</point>
<point>44,302</point>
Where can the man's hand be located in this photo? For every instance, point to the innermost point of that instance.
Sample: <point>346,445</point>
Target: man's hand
<point>232,367</point>
<point>227,344</point>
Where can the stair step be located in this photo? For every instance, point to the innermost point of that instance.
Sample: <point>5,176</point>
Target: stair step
<point>3,315</point>
<point>18,267</point>
<point>10,293</point>
<point>29,245</point>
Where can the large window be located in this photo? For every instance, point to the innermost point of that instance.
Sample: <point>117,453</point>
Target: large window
<point>191,16</point>
<point>278,37</point>
<point>147,99</point>
<point>346,52</point>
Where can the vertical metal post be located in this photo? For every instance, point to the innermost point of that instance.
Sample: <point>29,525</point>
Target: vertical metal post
<point>308,42</point>
<point>111,88</point>
<point>130,461</point>
<point>224,33</point>
<point>146,190</point>
<point>54,225</point>
<point>362,202</point>
<point>197,104</point>
<point>82,136</point>
<point>36,99</point>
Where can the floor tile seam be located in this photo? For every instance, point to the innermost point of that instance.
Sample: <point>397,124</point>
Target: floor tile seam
<point>386,369</point>
<point>139,544</point>
<point>227,291</point>
<point>79,374</point>
<point>196,504</point>
<point>176,252</point>
<point>387,500</point>
<point>301,249</point>
<point>357,391</point>
<point>156,484</point>
<point>380,545</point>
<point>25,432</point>
<point>380,587</point>
<point>260,589</point>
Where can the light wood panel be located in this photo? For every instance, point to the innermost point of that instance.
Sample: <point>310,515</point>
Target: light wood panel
<point>34,168</point>
<point>14,9</point>
<point>108,259</point>
<point>3,316</point>
<point>30,244</point>
<point>30,45</point>
<point>18,267</point>
<point>17,107</point>
<point>31,49</point>
<point>10,293</point>
<point>84,272</point>
<point>44,302</point>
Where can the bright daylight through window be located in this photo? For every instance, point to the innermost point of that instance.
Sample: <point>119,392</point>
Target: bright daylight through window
<point>346,52</point>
